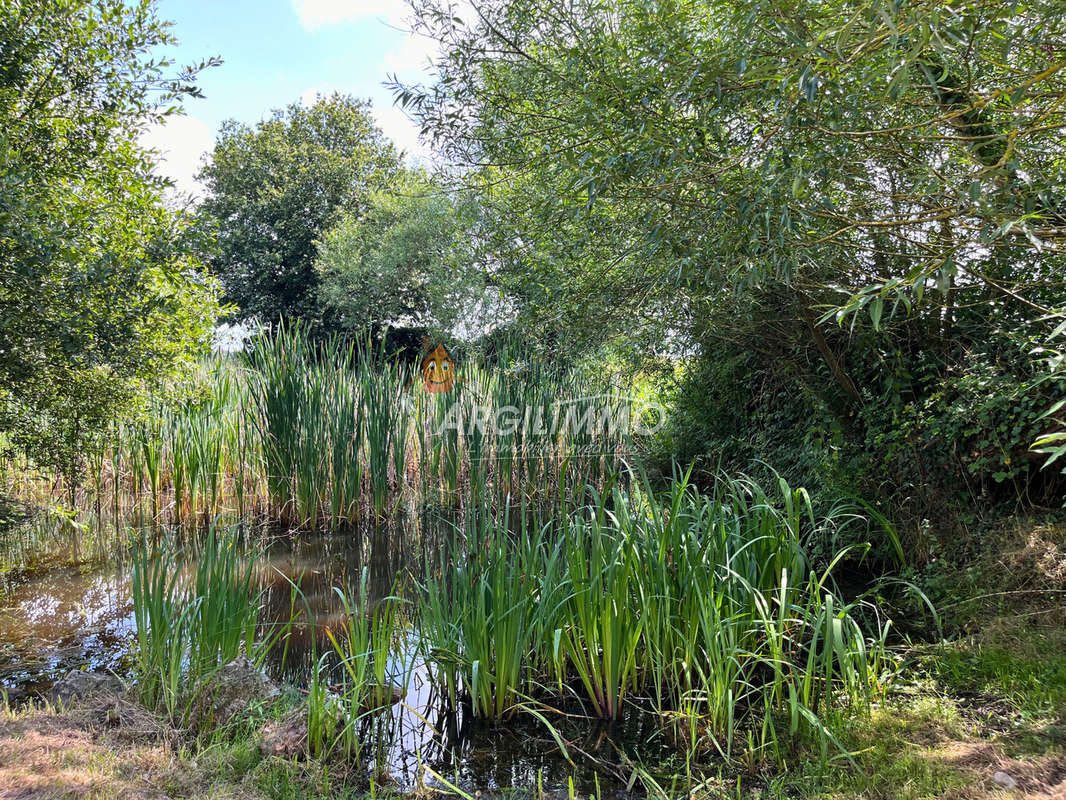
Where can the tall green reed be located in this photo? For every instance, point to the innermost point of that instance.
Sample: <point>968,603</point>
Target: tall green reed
<point>194,610</point>
<point>224,604</point>
<point>315,431</point>
<point>601,621</point>
<point>487,611</point>
<point>162,623</point>
<point>386,410</point>
<point>704,602</point>
<point>364,655</point>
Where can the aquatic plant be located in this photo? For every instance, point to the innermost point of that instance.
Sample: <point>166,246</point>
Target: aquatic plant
<point>223,603</point>
<point>386,410</point>
<point>162,623</point>
<point>194,610</point>
<point>600,621</point>
<point>704,601</point>
<point>486,613</point>
<point>362,659</point>
<point>314,432</point>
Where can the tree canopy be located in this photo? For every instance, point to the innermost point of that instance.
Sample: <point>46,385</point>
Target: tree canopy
<point>398,264</point>
<point>276,188</point>
<point>859,203</point>
<point>100,301</point>
<point>841,134</point>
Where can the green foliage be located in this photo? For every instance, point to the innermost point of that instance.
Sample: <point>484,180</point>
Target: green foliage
<point>705,602</point>
<point>277,188</point>
<point>933,441</point>
<point>1036,683</point>
<point>398,264</point>
<point>194,611</point>
<point>101,303</point>
<point>387,414</point>
<point>970,432</point>
<point>655,108</point>
<point>722,419</point>
<point>840,211</point>
<point>1052,442</point>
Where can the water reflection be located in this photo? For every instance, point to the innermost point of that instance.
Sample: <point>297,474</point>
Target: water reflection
<point>65,603</point>
<point>301,575</point>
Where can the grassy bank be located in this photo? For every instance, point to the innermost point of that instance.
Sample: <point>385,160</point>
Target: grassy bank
<point>118,749</point>
<point>943,733</point>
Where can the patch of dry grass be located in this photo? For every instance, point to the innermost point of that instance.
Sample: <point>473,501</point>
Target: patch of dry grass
<point>977,762</point>
<point>102,749</point>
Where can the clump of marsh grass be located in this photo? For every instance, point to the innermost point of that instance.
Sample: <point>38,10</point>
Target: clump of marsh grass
<point>703,602</point>
<point>194,610</point>
<point>488,611</point>
<point>600,621</point>
<point>363,658</point>
<point>162,624</point>
<point>383,387</point>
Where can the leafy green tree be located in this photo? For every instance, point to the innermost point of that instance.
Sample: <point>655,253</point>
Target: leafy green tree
<point>866,196</point>
<point>99,302</point>
<point>400,264</point>
<point>816,125</point>
<point>276,188</point>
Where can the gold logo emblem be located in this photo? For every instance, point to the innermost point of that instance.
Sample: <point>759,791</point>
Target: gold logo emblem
<point>438,370</point>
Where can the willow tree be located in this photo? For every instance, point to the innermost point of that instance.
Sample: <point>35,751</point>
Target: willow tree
<point>866,194</point>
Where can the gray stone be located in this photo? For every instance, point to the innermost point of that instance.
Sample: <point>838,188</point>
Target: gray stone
<point>228,693</point>
<point>79,684</point>
<point>1003,779</point>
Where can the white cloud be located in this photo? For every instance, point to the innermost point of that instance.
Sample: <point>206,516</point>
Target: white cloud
<point>412,56</point>
<point>402,131</point>
<point>310,95</point>
<point>316,14</point>
<point>414,53</point>
<point>180,142</point>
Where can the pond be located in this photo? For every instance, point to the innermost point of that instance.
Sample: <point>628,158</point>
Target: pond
<point>65,603</point>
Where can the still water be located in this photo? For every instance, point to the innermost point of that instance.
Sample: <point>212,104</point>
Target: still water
<point>65,603</point>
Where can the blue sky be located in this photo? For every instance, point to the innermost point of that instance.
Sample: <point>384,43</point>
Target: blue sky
<point>279,51</point>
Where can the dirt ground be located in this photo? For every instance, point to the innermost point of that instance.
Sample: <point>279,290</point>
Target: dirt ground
<point>104,749</point>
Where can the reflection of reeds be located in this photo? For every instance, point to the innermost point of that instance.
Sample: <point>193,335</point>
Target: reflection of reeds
<point>38,542</point>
